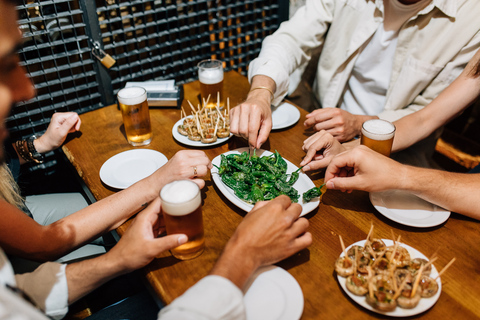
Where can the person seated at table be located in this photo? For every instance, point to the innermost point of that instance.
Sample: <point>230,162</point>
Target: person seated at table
<point>23,237</point>
<point>379,60</point>
<point>322,146</point>
<point>271,232</point>
<point>363,169</point>
<point>45,208</point>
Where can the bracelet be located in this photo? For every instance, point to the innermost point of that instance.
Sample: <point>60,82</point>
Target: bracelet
<point>34,154</point>
<point>26,150</point>
<point>22,150</point>
<point>262,87</point>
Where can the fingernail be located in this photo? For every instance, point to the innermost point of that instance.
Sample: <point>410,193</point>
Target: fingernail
<point>182,239</point>
<point>306,168</point>
<point>330,185</point>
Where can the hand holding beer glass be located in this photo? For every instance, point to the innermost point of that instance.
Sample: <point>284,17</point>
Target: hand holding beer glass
<point>182,212</point>
<point>378,134</point>
<point>210,75</point>
<point>136,115</point>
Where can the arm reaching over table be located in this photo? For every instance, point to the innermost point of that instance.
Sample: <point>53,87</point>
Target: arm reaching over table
<point>271,232</point>
<point>364,169</point>
<point>23,237</point>
<point>252,119</point>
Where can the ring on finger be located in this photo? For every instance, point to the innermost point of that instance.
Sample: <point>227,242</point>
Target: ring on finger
<point>194,171</point>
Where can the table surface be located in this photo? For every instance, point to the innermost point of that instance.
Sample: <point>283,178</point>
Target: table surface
<point>348,215</point>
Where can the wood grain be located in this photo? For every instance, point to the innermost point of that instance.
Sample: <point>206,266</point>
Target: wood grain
<point>339,213</point>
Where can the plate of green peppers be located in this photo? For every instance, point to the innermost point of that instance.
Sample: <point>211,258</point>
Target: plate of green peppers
<point>246,177</point>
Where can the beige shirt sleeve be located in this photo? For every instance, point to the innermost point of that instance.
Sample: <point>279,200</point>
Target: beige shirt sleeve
<point>47,286</point>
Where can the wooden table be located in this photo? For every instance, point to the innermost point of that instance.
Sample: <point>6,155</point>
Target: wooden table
<point>348,215</point>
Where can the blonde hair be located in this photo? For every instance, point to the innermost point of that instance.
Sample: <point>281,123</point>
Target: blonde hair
<point>9,190</point>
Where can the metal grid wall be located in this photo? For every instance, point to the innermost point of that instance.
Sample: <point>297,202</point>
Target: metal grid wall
<point>150,40</point>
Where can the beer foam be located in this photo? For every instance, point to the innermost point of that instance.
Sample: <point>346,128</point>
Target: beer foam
<point>180,197</point>
<point>378,129</point>
<point>210,76</point>
<point>132,95</point>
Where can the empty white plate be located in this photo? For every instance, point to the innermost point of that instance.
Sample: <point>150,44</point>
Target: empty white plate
<point>408,209</point>
<point>273,294</point>
<point>124,169</point>
<point>284,116</point>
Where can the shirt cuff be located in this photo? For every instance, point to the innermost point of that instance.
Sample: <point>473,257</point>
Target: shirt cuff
<point>213,297</point>
<point>47,287</point>
<point>266,67</point>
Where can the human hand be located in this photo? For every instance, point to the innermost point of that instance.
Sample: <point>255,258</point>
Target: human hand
<point>363,169</point>
<point>140,245</point>
<point>269,233</point>
<point>339,123</point>
<point>252,119</point>
<point>320,148</point>
<point>183,166</point>
<point>61,124</point>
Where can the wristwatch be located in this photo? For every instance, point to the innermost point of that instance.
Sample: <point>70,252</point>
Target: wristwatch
<point>34,154</point>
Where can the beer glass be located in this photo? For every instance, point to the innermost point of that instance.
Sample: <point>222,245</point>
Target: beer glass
<point>182,212</point>
<point>136,115</point>
<point>210,75</point>
<point>377,134</point>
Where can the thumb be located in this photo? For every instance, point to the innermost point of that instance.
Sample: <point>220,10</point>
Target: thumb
<point>69,124</point>
<point>169,242</point>
<point>343,183</point>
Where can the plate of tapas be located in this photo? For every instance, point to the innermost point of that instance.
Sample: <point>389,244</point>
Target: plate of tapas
<point>245,177</point>
<point>389,277</point>
<point>273,294</point>
<point>205,127</point>
<point>125,168</point>
<point>408,209</point>
<point>284,116</point>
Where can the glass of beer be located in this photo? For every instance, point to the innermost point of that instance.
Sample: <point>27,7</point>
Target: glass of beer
<point>136,115</point>
<point>210,75</point>
<point>377,134</point>
<point>182,211</point>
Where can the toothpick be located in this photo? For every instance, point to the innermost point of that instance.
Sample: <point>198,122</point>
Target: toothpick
<point>417,280</point>
<point>399,291</point>
<point>216,126</point>
<point>199,126</point>
<point>191,106</point>
<point>430,262</point>
<point>393,236</point>
<point>218,99</point>
<point>206,102</point>
<point>395,249</point>
<point>343,246</point>
<point>368,236</point>
<point>445,268</point>
<point>220,114</point>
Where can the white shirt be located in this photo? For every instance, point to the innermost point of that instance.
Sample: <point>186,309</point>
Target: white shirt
<point>46,286</point>
<point>433,47</point>
<point>213,297</point>
<point>367,86</point>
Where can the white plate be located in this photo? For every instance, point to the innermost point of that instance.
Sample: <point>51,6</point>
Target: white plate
<point>408,209</point>
<point>184,139</point>
<point>303,183</point>
<point>423,305</point>
<point>126,168</point>
<point>284,116</point>
<point>273,294</point>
